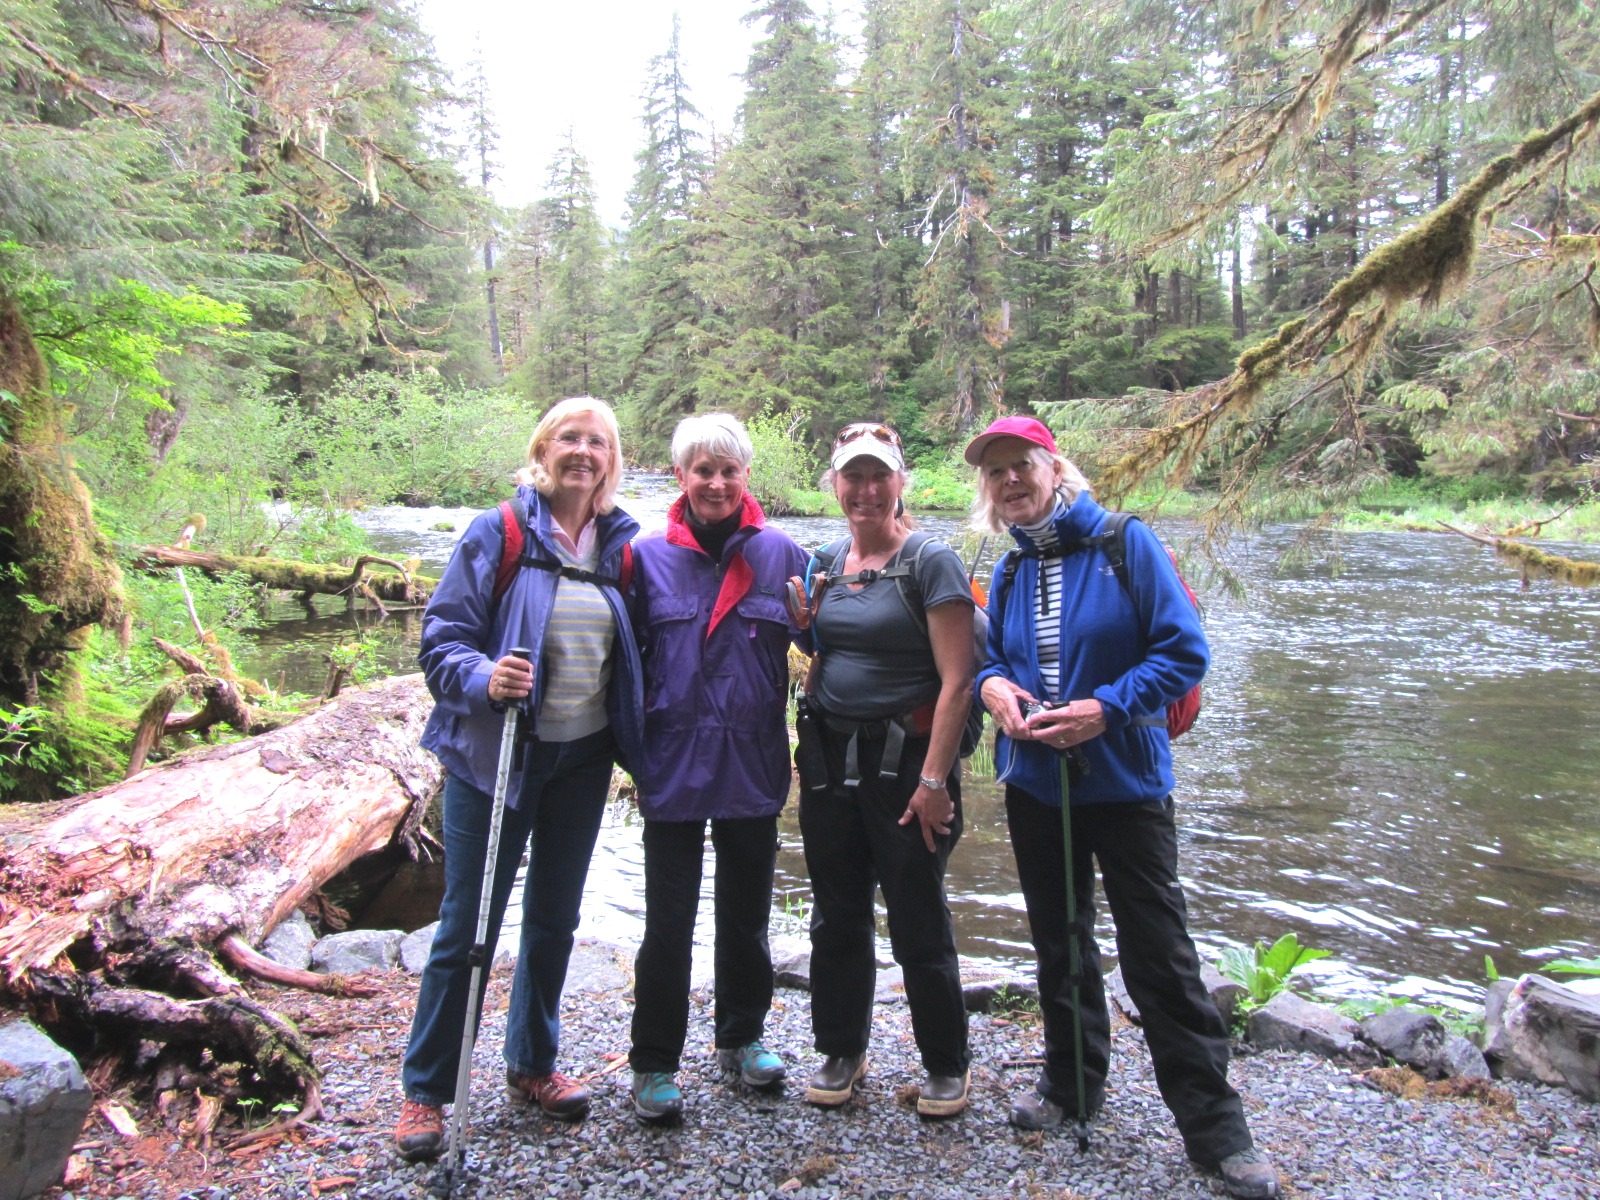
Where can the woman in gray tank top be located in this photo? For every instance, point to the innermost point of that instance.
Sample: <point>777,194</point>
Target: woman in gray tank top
<point>880,777</point>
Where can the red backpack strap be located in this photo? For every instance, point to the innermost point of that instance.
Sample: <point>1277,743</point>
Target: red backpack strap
<point>625,576</point>
<point>511,543</point>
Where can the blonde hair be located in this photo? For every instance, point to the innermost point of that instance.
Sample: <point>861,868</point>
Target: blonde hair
<point>545,431</point>
<point>984,517</point>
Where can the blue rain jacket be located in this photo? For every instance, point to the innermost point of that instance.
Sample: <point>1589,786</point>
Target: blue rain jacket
<point>464,634</point>
<point>1135,649</point>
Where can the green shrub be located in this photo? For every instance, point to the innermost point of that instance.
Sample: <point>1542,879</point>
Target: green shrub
<point>784,472</point>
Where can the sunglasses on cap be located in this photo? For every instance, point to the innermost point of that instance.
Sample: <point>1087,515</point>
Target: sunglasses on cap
<point>861,429</point>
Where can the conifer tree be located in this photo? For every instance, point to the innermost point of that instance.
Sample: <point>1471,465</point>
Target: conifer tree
<point>572,317</point>
<point>780,265</point>
<point>659,308</point>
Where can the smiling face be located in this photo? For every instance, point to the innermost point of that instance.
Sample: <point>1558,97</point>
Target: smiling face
<point>867,489</point>
<point>714,485</point>
<point>1021,488</point>
<point>577,455</point>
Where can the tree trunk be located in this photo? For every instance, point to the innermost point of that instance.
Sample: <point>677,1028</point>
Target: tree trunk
<point>329,579</point>
<point>133,884</point>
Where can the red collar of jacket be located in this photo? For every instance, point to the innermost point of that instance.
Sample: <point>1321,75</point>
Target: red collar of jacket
<point>736,575</point>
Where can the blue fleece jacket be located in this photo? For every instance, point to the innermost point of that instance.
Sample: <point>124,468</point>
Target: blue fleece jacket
<point>1135,649</point>
<point>464,633</point>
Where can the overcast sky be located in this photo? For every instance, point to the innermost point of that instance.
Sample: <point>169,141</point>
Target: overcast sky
<point>582,66</point>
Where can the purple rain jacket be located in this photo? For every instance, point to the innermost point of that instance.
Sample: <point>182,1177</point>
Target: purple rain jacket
<point>464,634</point>
<point>716,669</point>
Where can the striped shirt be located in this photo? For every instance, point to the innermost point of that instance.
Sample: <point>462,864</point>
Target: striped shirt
<point>1047,602</point>
<point>577,651</point>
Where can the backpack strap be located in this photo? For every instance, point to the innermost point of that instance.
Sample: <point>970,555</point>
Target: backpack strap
<point>514,541</point>
<point>513,523</point>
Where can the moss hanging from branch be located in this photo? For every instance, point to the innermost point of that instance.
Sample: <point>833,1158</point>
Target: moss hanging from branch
<point>1536,562</point>
<point>1425,264</point>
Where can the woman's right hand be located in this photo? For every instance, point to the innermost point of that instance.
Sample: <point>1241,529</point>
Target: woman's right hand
<point>1004,700</point>
<point>511,679</point>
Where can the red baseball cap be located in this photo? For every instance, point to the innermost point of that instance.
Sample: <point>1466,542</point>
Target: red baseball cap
<point>1029,429</point>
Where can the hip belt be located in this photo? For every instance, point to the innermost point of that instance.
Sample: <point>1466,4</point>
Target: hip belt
<point>893,730</point>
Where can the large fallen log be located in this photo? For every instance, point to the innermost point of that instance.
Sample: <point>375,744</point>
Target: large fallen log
<point>398,584</point>
<point>109,910</point>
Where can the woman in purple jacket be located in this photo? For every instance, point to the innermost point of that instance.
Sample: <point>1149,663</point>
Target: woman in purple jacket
<point>715,635</point>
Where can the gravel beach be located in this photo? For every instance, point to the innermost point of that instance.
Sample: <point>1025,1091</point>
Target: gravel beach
<point>1331,1133</point>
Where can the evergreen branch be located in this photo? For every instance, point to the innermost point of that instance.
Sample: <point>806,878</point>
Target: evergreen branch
<point>1533,560</point>
<point>386,198</point>
<point>362,277</point>
<point>1424,263</point>
<point>76,81</point>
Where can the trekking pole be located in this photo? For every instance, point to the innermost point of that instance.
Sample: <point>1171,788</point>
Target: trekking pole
<point>1074,957</point>
<point>478,956</point>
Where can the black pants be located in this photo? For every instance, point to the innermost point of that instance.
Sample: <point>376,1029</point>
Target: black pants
<point>853,846</point>
<point>747,850</point>
<point>1137,849</point>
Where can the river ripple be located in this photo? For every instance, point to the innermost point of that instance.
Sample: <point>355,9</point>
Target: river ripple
<point>1396,760</point>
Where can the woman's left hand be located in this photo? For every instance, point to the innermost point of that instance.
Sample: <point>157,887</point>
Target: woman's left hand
<point>1068,725</point>
<point>934,809</point>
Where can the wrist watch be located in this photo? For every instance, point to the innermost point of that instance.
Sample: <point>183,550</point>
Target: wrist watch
<point>932,783</point>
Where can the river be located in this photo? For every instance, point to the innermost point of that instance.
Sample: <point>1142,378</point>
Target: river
<point>1396,760</point>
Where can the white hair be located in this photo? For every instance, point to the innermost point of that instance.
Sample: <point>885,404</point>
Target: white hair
<point>717,434</point>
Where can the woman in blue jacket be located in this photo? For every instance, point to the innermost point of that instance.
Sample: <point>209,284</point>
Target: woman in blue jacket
<point>708,605</point>
<point>1105,657</point>
<point>583,690</point>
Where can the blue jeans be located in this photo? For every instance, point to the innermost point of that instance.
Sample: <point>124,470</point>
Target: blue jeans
<point>562,799</point>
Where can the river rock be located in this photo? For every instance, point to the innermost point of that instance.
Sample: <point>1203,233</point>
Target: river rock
<point>598,967</point>
<point>1225,993</point>
<point>1496,1042</point>
<point>1291,1022</point>
<point>43,1102</point>
<point>891,986</point>
<point>356,950</point>
<point>1554,1036</point>
<point>416,946</point>
<point>290,943</point>
<point>1408,1035</point>
<point>982,986</point>
<point>791,962</point>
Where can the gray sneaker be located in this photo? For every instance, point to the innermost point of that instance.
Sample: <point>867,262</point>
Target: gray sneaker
<point>757,1066</point>
<point>1249,1175</point>
<point>1032,1111</point>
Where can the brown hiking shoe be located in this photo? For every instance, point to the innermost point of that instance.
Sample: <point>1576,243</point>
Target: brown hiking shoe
<point>560,1097</point>
<point>419,1134</point>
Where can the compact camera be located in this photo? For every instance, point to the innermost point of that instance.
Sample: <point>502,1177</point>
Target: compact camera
<point>1029,707</point>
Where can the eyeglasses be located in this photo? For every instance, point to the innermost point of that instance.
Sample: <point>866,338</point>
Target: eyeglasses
<point>573,440</point>
<point>861,429</point>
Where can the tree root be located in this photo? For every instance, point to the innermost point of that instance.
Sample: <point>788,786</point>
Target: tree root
<point>243,957</point>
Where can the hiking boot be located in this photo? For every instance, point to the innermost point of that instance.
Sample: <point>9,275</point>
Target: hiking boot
<point>656,1098</point>
<point>943,1095</point>
<point>1033,1111</point>
<point>757,1066</point>
<point>1249,1174</point>
<point>419,1134</point>
<point>835,1081</point>
<point>559,1097</point>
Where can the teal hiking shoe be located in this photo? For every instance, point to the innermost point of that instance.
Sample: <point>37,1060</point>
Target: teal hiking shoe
<point>757,1066</point>
<point>656,1098</point>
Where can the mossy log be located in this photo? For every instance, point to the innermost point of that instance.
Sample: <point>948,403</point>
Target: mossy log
<point>327,579</point>
<point>220,843</point>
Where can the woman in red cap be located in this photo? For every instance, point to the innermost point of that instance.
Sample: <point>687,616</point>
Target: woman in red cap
<point>880,780</point>
<point>1083,659</point>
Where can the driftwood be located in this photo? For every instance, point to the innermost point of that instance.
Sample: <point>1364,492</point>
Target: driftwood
<point>400,584</point>
<point>109,910</point>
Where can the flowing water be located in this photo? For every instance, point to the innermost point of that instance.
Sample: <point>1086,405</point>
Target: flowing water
<point>1396,761</point>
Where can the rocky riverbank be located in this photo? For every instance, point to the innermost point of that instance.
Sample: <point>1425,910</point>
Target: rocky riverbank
<point>1333,1131</point>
